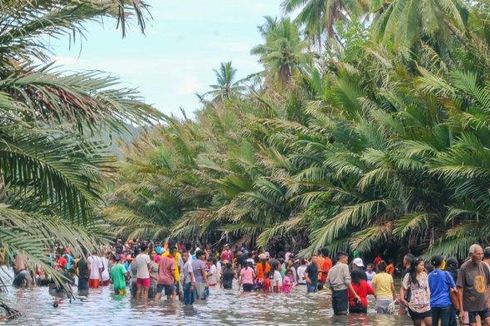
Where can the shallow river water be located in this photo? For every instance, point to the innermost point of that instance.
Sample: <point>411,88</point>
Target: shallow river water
<point>224,307</point>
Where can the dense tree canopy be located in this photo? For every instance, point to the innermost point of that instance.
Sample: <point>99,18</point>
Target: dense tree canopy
<point>384,143</point>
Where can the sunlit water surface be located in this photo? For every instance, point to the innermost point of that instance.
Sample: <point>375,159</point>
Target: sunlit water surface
<point>224,307</point>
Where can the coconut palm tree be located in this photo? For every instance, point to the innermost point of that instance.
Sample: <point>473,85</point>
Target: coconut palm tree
<point>284,52</point>
<point>404,23</point>
<point>227,86</point>
<point>51,161</point>
<point>319,16</point>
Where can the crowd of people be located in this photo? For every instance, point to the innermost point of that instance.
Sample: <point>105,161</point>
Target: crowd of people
<point>432,292</point>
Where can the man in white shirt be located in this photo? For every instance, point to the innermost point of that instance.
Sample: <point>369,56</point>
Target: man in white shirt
<point>142,263</point>
<point>188,280</point>
<point>96,268</point>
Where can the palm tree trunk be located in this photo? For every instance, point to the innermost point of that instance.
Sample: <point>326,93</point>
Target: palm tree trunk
<point>3,189</point>
<point>285,74</point>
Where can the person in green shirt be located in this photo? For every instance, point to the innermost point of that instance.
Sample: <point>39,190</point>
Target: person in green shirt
<point>118,276</point>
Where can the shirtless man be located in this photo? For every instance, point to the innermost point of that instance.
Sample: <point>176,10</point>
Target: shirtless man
<point>21,271</point>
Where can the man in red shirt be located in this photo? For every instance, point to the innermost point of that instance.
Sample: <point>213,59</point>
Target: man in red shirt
<point>226,254</point>
<point>166,278</point>
<point>61,262</point>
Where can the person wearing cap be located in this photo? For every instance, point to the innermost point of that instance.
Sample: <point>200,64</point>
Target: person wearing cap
<point>339,281</point>
<point>158,254</point>
<point>358,264</point>
<point>118,276</point>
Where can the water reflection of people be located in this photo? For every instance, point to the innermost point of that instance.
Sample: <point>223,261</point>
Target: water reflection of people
<point>358,320</point>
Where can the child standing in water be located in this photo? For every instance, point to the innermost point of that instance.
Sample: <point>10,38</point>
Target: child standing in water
<point>370,273</point>
<point>267,284</point>
<point>288,281</point>
<point>276,277</point>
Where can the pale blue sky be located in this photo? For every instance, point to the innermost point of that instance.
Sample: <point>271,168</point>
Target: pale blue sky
<point>184,42</point>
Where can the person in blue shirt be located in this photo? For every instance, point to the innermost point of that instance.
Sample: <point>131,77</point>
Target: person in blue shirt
<point>441,284</point>
<point>70,261</point>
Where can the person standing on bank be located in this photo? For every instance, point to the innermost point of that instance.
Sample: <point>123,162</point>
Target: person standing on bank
<point>474,287</point>
<point>339,281</point>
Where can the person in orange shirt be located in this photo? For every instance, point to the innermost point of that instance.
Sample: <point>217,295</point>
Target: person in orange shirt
<point>390,268</point>
<point>326,265</point>
<point>319,263</point>
<point>262,269</point>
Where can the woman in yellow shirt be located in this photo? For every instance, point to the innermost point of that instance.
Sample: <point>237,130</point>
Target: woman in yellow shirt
<point>384,288</point>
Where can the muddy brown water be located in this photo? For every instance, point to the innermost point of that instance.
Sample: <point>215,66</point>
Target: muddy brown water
<point>223,307</point>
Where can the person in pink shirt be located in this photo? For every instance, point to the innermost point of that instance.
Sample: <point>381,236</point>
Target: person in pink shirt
<point>247,276</point>
<point>166,280</point>
<point>288,282</point>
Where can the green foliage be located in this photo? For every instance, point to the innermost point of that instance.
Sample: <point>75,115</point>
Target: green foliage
<point>53,162</point>
<point>284,53</point>
<point>383,142</point>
